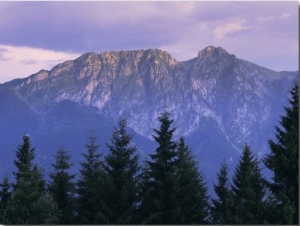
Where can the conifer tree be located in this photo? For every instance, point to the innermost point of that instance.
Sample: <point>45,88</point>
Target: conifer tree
<point>90,186</point>
<point>5,193</point>
<point>248,190</point>
<point>62,187</point>
<point>24,158</point>
<point>164,184</point>
<point>220,210</point>
<point>283,161</point>
<point>29,202</point>
<point>121,167</point>
<point>192,196</point>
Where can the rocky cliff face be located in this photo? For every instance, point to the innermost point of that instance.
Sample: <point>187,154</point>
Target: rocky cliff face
<point>215,92</point>
<point>238,95</point>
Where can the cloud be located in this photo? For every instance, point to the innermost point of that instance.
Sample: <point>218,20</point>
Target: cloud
<point>283,16</point>
<point>266,18</point>
<point>230,28</point>
<point>2,53</point>
<point>179,27</point>
<point>28,62</point>
<point>17,62</point>
<point>93,26</point>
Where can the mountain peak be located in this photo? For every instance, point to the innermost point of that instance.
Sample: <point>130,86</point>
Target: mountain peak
<point>236,101</point>
<point>212,52</point>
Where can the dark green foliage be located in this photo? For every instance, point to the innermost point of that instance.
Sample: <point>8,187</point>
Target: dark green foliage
<point>144,195</point>
<point>283,161</point>
<point>29,203</point>
<point>24,156</point>
<point>5,194</point>
<point>220,210</point>
<point>37,210</point>
<point>90,185</point>
<point>121,167</point>
<point>170,189</point>
<point>248,190</point>
<point>62,187</point>
<point>163,181</point>
<point>192,197</point>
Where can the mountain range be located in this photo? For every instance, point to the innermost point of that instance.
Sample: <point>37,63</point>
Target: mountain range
<point>218,101</point>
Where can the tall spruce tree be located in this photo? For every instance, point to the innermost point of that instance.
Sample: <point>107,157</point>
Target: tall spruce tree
<point>192,196</point>
<point>24,158</point>
<point>220,210</point>
<point>283,161</point>
<point>163,180</point>
<point>62,187</point>
<point>29,202</point>
<point>121,166</point>
<point>90,185</point>
<point>248,190</point>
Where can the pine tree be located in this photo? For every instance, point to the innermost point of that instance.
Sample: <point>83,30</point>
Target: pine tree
<point>29,202</point>
<point>62,187</point>
<point>25,155</point>
<point>121,166</point>
<point>248,190</point>
<point>283,161</point>
<point>192,196</point>
<point>164,184</point>
<point>90,186</point>
<point>220,210</point>
<point>5,194</point>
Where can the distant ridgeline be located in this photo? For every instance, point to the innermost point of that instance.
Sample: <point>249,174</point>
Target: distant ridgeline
<point>218,103</point>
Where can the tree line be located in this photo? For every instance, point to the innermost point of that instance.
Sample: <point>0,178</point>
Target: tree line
<point>166,188</point>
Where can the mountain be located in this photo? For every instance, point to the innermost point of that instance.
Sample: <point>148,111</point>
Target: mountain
<point>218,101</point>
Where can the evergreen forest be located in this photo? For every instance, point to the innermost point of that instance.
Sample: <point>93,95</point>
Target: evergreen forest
<point>168,187</point>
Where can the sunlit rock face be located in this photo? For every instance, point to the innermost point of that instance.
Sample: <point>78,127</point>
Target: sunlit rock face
<point>215,98</point>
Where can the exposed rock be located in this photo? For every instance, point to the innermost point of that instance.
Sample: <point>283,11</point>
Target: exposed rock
<point>237,100</point>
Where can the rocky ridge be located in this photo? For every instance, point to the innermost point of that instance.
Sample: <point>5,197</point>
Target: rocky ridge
<point>139,84</point>
<point>215,92</point>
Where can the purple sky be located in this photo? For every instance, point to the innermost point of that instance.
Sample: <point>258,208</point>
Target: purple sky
<point>39,35</point>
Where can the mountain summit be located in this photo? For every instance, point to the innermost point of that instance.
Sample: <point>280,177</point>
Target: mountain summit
<point>213,52</point>
<point>218,101</point>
